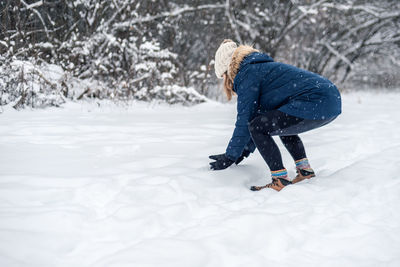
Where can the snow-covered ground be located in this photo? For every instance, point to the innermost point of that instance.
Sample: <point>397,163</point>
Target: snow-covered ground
<point>116,186</point>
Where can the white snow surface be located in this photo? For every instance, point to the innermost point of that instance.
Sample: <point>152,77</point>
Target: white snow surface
<point>119,186</point>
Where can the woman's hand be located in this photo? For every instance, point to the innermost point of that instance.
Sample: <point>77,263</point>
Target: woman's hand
<point>221,162</point>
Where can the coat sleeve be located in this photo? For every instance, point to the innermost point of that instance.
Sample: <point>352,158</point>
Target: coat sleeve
<point>248,92</point>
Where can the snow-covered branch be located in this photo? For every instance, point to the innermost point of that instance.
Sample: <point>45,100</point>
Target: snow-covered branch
<point>232,21</point>
<point>373,10</point>
<point>108,22</point>
<point>337,54</point>
<point>174,13</point>
<point>32,7</point>
<point>305,12</point>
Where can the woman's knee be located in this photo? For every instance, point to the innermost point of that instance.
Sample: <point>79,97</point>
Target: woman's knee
<point>259,124</point>
<point>253,125</point>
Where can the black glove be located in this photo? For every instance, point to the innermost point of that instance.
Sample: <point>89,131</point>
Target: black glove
<point>245,154</point>
<point>221,162</point>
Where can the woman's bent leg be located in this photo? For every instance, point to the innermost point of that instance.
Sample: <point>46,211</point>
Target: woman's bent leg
<point>264,126</point>
<point>287,127</point>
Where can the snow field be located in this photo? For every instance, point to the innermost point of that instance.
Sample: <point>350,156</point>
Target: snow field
<point>117,186</point>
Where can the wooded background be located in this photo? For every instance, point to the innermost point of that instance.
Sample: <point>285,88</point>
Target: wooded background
<point>163,50</point>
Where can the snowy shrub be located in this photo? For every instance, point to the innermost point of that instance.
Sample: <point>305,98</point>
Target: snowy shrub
<point>23,83</point>
<point>124,70</point>
<point>96,51</point>
<point>175,94</point>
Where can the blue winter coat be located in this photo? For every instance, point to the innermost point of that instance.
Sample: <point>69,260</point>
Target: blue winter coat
<point>263,85</point>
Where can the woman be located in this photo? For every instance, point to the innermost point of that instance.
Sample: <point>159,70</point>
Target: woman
<point>274,99</point>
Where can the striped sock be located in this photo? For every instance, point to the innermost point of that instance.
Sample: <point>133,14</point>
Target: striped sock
<point>303,164</point>
<point>280,174</point>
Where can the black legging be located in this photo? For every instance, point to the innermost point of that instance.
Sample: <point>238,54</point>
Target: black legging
<point>287,127</point>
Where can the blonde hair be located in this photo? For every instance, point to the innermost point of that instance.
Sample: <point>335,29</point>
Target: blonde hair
<point>228,83</point>
<point>229,76</point>
<point>228,86</point>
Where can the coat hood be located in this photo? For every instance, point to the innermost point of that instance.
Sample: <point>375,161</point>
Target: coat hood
<point>240,58</point>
